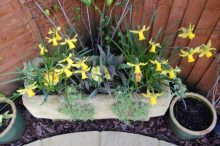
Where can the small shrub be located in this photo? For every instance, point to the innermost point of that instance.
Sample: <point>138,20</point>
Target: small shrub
<point>75,105</point>
<point>127,108</point>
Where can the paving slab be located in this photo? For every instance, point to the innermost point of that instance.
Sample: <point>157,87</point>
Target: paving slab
<point>94,138</point>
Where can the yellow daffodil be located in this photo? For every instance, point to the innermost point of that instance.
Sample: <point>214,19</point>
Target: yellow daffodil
<point>106,72</point>
<point>153,96</point>
<point>68,60</point>
<point>83,67</point>
<point>187,32</point>
<point>51,78</point>
<point>64,69</point>
<point>190,53</point>
<point>96,74</point>
<point>70,42</point>
<point>29,89</point>
<point>81,64</point>
<point>153,46</point>
<point>206,50</point>
<point>43,49</point>
<point>171,72</point>
<point>55,36</point>
<point>159,64</point>
<point>83,73</point>
<point>137,70</point>
<point>140,32</point>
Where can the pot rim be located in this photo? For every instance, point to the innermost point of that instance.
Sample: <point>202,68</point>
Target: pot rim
<point>14,112</point>
<point>202,99</point>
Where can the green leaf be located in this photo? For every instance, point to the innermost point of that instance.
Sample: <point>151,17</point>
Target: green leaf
<point>87,2</point>
<point>47,12</point>
<point>109,2</point>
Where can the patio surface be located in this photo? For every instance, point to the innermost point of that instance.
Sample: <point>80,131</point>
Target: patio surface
<point>93,138</point>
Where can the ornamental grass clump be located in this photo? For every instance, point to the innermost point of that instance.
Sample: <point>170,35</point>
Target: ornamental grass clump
<point>131,58</point>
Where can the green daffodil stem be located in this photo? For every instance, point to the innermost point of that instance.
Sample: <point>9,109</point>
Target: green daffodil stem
<point>90,30</point>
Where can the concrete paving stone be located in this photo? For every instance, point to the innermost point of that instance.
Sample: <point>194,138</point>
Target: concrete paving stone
<point>74,139</point>
<point>164,143</point>
<point>126,139</point>
<point>35,143</point>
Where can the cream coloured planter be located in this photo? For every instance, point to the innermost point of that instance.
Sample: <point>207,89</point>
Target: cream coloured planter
<point>102,106</point>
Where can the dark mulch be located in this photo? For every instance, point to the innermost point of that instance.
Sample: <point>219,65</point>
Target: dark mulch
<point>156,127</point>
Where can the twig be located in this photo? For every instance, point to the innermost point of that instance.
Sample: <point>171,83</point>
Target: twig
<point>121,18</point>
<point>70,24</point>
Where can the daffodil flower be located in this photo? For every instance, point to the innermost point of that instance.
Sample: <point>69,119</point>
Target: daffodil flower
<point>140,32</point>
<point>56,37</point>
<point>83,73</point>
<point>64,69</point>
<point>153,46</point>
<point>51,78</point>
<point>107,75</point>
<point>43,49</point>
<point>68,60</point>
<point>70,42</point>
<point>187,32</point>
<point>29,89</point>
<point>206,50</point>
<point>83,67</point>
<point>81,64</point>
<point>190,53</point>
<point>153,96</point>
<point>171,72</point>
<point>159,64</point>
<point>96,74</point>
<point>137,70</point>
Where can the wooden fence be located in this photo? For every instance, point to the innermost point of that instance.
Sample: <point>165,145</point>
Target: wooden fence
<point>21,23</point>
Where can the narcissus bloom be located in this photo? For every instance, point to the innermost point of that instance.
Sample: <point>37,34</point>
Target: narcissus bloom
<point>153,96</point>
<point>140,32</point>
<point>137,70</point>
<point>171,72</point>
<point>159,64</point>
<point>153,46</point>
<point>29,89</point>
<point>43,49</point>
<point>190,53</point>
<point>51,78</point>
<point>107,75</point>
<point>68,60</point>
<point>187,32</point>
<point>55,36</point>
<point>70,42</point>
<point>206,50</point>
<point>83,67</point>
<point>96,74</point>
<point>64,69</point>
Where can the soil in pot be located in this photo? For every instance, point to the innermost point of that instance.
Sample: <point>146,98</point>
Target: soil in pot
<point>196,116</point>
<point>3,108</point>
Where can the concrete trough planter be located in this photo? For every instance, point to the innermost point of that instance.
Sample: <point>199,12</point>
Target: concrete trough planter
<point>102,106</point>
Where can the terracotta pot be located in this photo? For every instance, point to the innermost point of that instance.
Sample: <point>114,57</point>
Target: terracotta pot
<point>183,132</point>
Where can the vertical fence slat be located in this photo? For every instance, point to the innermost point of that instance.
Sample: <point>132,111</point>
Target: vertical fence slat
<point>174,21</point>
<point>203,31</point>
<point>192,15</point>
<point>162,15</point>
<point>203,63</point>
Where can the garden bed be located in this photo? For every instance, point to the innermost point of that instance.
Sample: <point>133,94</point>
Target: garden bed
<point>156,127</point>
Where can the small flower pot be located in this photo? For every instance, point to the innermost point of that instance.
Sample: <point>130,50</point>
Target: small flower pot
<point>200,120</point>
<point>16,126</point>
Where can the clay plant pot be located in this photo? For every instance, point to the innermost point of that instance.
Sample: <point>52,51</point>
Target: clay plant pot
<point>16,126</point>
<point>189,132</point>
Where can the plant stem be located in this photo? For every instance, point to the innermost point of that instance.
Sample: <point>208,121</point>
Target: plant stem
<point>90,30</point>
